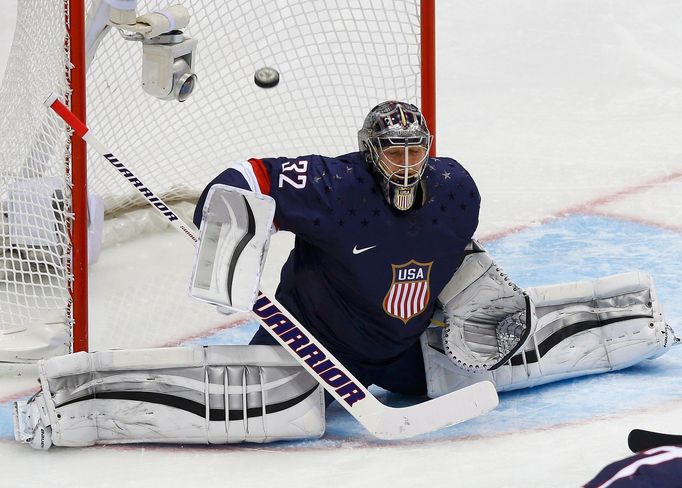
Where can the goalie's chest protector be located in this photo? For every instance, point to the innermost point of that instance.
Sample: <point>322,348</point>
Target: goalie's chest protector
<point>364,276</point>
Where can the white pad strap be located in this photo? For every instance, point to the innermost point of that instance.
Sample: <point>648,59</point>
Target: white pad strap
<point>208,395</point>
<point>235,233</point>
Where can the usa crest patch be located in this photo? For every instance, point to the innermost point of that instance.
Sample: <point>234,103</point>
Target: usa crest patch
<point>409,291</point>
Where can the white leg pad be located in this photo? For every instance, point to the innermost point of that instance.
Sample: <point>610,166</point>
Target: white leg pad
<point>202,395</point>
<point>583,328</point>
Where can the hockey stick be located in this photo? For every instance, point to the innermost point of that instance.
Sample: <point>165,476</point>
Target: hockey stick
<point>380,420</point>
<point>641,440</point>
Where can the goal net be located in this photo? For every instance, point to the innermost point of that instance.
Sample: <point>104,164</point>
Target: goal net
<point>336,59</point>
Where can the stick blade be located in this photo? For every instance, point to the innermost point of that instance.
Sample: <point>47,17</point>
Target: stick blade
<point>438,413</point>
<point>641,440</point>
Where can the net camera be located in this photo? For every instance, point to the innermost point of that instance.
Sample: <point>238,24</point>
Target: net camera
<point>168,66</point>
<point>168,55</point>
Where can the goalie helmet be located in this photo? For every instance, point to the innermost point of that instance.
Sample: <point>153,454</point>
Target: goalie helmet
<point>395,141</point>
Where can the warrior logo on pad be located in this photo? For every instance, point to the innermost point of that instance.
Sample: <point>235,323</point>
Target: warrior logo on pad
<point>409,291</point>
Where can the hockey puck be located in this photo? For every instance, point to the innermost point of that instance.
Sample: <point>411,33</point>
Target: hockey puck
<point>266,77</point>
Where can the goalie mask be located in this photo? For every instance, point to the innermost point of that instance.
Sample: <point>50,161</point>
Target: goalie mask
<point>395,140</point>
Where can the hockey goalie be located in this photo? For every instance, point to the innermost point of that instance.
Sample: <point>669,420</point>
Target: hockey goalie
<point>384,274</point>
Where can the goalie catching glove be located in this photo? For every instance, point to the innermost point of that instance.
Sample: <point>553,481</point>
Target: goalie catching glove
<point>487,317</point>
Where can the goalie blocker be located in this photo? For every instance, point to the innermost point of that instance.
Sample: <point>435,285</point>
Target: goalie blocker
<point>234,235</point>
<point>494,330</point>
<point>193,395</point>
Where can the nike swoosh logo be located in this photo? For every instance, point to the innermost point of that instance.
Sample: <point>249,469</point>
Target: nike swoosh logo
<point>358,251</point>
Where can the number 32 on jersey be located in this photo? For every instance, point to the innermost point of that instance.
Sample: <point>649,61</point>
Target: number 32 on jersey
<point>294,174</point>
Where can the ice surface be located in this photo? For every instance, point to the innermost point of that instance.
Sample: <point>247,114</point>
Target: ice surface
<point>568,114</point>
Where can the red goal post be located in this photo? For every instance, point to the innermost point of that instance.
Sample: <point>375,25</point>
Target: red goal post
<point>74,13</point>
<point>336,60</point>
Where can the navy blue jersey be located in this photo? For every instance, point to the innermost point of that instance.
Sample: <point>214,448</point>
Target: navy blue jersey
<point>362,277</point>
<point>660,467</point>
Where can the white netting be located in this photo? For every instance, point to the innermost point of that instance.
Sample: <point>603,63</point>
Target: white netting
<point>34,192</point>
<point>337,59</point>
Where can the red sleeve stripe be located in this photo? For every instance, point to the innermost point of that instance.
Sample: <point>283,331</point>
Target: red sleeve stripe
<point>263,179</point>
<point>262,175</point>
